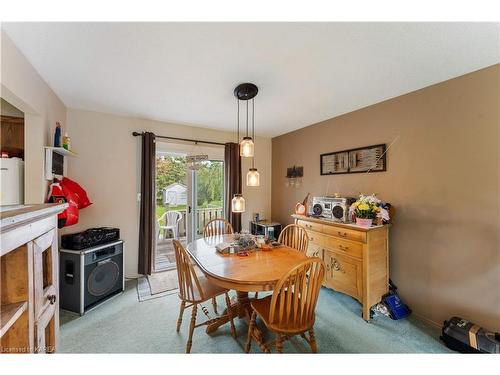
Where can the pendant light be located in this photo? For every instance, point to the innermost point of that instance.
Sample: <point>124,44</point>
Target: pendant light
<point>245,91</point>
<point>253,178</point>
<point>238,203</point>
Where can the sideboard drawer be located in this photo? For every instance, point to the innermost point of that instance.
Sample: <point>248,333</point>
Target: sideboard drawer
<point>310,225</point>
<point>344,274</point>
<point>348,234</point>
<point>354,249</point>
<point>315,238</point>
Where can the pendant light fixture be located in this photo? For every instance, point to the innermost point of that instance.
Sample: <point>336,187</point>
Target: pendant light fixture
<point>238,203</point>
<point>245,91</point>
<point>253,178</point>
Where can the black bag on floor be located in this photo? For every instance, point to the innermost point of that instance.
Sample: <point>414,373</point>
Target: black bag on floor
<point>466,337</point>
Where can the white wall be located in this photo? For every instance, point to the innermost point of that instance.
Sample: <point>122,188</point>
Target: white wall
<point>108,167</point>
<point>23,87</point>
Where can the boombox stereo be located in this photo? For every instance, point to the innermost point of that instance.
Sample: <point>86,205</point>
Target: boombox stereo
<point>90,276</point>
<point>332,208</point>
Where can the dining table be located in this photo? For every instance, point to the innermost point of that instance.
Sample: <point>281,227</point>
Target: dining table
<point>253,270</point>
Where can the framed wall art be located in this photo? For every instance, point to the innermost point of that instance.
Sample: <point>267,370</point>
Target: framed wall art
<point>356,160</point>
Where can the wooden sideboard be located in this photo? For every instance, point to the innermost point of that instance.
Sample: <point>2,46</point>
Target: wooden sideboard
<point>356,258</point>
<point>29,287</point>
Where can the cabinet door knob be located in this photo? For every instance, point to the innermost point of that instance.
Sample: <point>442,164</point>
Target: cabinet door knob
<point>344,234</point>
<point>52,298</point>
<point>341,247</point>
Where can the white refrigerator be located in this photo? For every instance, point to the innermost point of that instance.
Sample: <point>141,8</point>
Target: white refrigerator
<point>12,181</point>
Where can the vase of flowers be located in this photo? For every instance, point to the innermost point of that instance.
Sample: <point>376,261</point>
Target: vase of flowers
<point>368,208</point>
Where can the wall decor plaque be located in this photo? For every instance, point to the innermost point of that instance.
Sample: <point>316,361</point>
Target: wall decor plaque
<point>356,160</point>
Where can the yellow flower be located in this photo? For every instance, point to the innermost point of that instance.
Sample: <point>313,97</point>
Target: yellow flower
<point>355,204</point>
<point>363,207</point>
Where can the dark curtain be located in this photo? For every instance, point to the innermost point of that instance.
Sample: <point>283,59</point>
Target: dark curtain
<point>147,218</point>
<point>232,168</point>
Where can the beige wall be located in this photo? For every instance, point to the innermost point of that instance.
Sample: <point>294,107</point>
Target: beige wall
<point>23,87</point>
<point>443,178</point>
<point>108,167</point>
<point>8,109</point>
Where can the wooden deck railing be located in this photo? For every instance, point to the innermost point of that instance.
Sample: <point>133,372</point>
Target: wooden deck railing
<point>202,217</point>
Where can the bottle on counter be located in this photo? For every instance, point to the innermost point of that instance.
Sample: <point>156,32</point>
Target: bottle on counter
<point>57,135</point>
<point>66,142</point>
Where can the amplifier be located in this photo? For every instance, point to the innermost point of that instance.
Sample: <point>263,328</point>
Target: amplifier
<point>91,276</point>
<point>89,238</point>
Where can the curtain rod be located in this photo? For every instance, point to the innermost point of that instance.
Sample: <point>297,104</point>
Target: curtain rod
<point>136,134</point>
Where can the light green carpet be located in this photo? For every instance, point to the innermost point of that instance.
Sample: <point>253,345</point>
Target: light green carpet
<point>125,325</point>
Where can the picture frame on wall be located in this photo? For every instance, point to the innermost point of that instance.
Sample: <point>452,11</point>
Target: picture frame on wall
<point>356,160</point>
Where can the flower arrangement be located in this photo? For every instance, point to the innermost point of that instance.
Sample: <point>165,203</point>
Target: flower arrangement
<point>368,208</point>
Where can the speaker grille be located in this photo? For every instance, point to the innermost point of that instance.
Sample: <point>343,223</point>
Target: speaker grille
<point>103,278</point>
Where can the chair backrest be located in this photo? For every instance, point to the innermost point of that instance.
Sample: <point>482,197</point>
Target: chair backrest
<point>294,298</point>
<point>186,275</point>
<point>294,236</point>
<point>173,217</point>
<point>217,227</point>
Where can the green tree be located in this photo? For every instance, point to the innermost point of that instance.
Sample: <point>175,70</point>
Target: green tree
<point>169,169</point>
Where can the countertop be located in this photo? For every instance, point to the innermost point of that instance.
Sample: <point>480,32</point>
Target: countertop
<point>15,215</point>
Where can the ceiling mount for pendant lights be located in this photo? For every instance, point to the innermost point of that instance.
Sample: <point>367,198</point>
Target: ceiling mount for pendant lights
<point>247,92</point>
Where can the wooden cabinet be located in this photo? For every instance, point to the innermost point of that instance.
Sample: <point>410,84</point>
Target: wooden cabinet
<point>29,279</point>
<point>356,258</point>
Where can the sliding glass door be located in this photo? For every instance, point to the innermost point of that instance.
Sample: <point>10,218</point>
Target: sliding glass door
<point>206,190</point>
<point>186,198</point>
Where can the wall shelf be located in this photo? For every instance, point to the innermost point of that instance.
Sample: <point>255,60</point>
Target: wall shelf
<point>61,151</point>
<point>10,313</point>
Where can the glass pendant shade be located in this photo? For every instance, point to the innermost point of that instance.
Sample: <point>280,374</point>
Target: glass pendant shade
<point>252,177</point>
<point>238,203</point>
<point>246,147</point>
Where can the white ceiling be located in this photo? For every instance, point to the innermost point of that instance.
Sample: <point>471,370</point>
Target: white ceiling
<point>306,72</point>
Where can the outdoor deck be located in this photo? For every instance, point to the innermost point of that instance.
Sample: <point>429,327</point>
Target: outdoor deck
<point>165,256</point>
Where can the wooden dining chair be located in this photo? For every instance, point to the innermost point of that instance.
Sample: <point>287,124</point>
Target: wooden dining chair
<point>217,227</point>
<point>193,290</point>
<point>294,236</point>
<point>290,310</point>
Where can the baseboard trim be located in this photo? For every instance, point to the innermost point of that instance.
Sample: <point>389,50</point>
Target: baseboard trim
<point>427,320</point>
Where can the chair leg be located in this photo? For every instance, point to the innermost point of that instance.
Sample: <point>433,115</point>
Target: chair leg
<point>231,317</point>
<point>214,304</point>
<point>181,312</point>
<point>279,343</point>
<point>191,328</point>
<point>312,341</point>
<point>250,332</point>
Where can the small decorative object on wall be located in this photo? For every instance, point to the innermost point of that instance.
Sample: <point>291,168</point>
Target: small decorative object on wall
<point>356,160</point>
<point>294,176</point>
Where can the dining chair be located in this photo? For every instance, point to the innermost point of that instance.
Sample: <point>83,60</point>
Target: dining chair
<point>217,227</point>
<point>172,219</point>
<point>290,310</point>
<point>193,290</point>
<point>294,236</point>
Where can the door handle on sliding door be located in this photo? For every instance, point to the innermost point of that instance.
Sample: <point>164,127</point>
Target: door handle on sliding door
<point>189,209</point>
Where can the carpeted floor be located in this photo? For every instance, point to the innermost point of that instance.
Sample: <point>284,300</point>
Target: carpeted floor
<point>125,325</point>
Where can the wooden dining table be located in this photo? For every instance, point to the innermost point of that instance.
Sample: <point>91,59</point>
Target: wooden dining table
<point>256,271</point>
